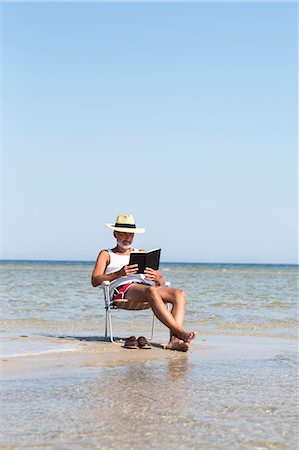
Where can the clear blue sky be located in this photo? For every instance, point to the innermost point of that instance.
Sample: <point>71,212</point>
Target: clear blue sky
<point>182,114</point>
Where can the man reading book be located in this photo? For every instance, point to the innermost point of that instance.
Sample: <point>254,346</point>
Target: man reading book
<point>132,290</point>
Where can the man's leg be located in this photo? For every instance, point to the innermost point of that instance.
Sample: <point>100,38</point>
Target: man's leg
<point>177,298</point>
<point>138,292</point>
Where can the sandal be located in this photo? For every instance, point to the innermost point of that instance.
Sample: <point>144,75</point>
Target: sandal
<point>143,343</point>
<point>131,342</point>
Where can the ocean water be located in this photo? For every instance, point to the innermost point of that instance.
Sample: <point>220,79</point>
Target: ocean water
<point>236,389</point>
<point>228,299</point>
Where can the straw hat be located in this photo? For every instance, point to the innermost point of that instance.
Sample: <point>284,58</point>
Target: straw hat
<point>126,224</point>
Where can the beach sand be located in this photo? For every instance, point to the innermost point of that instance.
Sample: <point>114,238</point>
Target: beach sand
<point>228,392</point>
<point>71,353</point>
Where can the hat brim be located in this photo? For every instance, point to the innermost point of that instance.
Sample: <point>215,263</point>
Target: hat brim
<point>125,230</point>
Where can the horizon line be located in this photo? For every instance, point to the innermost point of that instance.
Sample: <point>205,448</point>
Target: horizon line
<point>162,262</point>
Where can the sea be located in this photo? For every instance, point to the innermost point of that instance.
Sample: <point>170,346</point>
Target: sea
<point>245,396</point>
<point>54,296</point>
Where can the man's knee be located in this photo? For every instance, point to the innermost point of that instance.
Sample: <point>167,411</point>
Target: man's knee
<point>180,295</point>
<point>150,292</point>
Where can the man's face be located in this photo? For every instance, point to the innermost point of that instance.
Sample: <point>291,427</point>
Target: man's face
<point>124,240</point>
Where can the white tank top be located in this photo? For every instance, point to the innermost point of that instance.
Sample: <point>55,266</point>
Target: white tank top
<point>116,263</point>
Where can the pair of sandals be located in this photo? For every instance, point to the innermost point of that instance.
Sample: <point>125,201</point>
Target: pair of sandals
<point>141,342</point>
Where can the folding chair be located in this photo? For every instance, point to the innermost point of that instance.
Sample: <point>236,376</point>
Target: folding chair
<point>108,316</point>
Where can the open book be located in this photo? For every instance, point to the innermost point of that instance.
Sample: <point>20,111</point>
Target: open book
<point>150,259</point>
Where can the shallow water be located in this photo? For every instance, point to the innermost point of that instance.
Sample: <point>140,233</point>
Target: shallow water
<point>171,403</point>
<point>246,398</point>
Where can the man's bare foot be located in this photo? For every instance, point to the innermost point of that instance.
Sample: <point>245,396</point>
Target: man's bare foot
<point>177,344</point>
<point>187,336</point>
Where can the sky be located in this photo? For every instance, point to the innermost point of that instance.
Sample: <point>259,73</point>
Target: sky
<point>182,114</point>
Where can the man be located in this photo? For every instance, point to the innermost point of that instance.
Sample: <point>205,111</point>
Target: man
<point>134,291</point>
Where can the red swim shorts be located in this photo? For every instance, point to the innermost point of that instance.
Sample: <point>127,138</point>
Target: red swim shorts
<point>119,293</point>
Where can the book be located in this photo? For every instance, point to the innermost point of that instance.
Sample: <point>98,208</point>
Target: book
<point>151,259</point>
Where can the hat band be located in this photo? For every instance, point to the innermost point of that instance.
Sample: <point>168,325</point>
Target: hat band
<point>125,225</point>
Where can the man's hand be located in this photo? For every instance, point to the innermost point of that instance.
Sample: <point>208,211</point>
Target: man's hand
<point>127,270</point>
<point>154,275</point>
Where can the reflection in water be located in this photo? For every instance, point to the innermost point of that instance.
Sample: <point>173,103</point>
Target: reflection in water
<point>149,400</point>
<point>177,368</point>
<point>169,403</point>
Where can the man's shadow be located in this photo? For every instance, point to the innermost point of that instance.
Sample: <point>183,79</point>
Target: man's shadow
<point>103,339</point>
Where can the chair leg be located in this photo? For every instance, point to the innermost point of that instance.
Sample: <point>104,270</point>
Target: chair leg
<point>153,326</point>
<point>110,325</point>
<point>106,324</point>
<point>108,320</point>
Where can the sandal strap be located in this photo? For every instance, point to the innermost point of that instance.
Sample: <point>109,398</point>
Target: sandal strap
<point>131,342</point>
<point>143,342</point>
